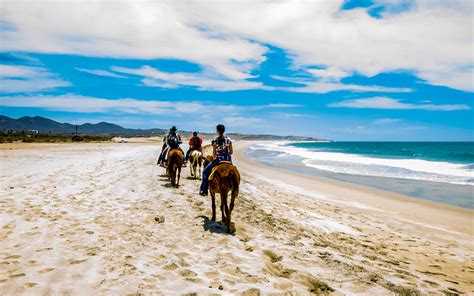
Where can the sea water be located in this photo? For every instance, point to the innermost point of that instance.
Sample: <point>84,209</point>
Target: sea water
<point>438,171</point>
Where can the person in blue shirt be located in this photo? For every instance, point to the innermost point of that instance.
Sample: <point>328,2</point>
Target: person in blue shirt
<point>222,151</point>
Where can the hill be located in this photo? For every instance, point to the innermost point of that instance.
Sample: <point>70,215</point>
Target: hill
<point>48,126</point>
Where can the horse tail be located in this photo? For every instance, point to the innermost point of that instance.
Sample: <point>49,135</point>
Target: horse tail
<point>171,161</point>
<point>235,180</point>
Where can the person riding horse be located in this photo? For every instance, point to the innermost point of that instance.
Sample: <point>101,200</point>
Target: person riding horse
<point>222,151</point>
<point>195,143</point>
<point>172,141</point>
<point>162,154</point>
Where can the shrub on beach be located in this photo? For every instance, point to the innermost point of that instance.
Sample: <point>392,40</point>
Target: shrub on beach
<point>25,137</point>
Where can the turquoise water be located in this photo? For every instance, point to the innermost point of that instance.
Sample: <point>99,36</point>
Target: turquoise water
<point>455,152</point>
<point>438,171</point>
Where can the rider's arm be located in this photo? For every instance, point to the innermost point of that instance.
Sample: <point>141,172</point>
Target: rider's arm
<point>231,149</point>
<point>214,153</point>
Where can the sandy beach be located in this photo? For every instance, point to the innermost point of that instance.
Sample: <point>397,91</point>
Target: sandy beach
<point>101,218</point>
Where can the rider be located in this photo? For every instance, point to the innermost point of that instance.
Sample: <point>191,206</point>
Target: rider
<point>195,143</point>
<point>222,151</point>
<point>163,148</point>
<point>173,140</point>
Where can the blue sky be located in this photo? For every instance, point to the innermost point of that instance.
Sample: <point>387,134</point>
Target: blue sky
<point>344,70</point>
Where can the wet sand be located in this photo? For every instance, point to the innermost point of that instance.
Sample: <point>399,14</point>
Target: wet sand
<point>88,219</point>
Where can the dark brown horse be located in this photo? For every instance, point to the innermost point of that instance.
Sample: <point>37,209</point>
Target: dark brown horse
<point>224,178</point>
<point>173,168</point>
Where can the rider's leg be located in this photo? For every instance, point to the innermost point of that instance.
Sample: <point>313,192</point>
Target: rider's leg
<point>205,175</point>
<point>185,160</point>
<point>167,151</point>
<point>160,159</point>
<point>187,155</point>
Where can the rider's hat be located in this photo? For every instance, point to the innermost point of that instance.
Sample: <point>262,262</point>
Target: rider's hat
<point>173,129</point>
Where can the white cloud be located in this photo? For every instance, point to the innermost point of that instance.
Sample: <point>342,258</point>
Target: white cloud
<point>394,104</point>
<point>99,73</point>
<point>432,38</point>
<point>85,104</point>
<point>15,79</point>
<point>324,86</point>
<point>242,121</point>
<point>383,121</point>
<point>202,80</point>
<point>329,74</point>
<point>208,80</point>
<point>124,29</point>
<point>286,115</point>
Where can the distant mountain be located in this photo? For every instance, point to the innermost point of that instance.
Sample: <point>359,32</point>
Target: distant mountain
<point>45,125</point>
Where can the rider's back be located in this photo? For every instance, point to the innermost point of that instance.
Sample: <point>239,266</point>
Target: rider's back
<point>196,143</point>
<point>173,140</point>
<point>223,148</point>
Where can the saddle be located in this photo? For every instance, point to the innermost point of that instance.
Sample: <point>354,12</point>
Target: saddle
<point>225,168</point>
<point>173,152</point>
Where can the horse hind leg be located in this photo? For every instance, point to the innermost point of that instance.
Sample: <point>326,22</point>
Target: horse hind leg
<point>178,175</point>
<point>226,210</point>
<point>173,176</point>
<point>213,197</point>
<point>194,170</point>
<point>224,219</point>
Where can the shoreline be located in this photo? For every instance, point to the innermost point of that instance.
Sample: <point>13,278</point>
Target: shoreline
<point>407,207</point>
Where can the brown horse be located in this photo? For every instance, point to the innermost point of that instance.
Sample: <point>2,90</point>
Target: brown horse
<point>223,179</point>
<point>173,169</point>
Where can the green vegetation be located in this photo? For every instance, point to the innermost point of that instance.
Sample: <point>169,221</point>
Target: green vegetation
<point>27,137</point>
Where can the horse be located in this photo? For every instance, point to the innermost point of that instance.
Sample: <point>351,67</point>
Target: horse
<point>224,177</point>
<point>195,160</point>
<point>173,169</point>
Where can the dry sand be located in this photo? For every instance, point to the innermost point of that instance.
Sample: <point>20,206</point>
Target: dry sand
<point>82,219</point>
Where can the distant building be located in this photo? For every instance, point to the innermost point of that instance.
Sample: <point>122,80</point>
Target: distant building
<point>33,131</point>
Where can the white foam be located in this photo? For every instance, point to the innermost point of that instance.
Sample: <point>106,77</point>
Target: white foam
<point>416,169</point>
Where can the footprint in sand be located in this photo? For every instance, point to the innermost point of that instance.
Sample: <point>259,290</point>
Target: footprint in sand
<point>12,257</point>
<point>170,266</point>
<point>78,261</point>
<point>46,270</point>
<point>30,285</point>
<point>187,273</point>
<point>44,249</point>
<point>32,263</point>
<point>17,275</point>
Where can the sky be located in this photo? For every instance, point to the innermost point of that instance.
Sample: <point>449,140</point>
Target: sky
<point>343,70</point>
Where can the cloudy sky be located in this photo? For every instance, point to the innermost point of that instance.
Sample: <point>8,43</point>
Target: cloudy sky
<point>344,70</point>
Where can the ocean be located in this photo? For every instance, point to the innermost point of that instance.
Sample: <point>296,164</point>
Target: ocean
<point>437,171</point>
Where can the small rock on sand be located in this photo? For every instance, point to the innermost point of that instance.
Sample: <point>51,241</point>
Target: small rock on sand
<point>160,219</point>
